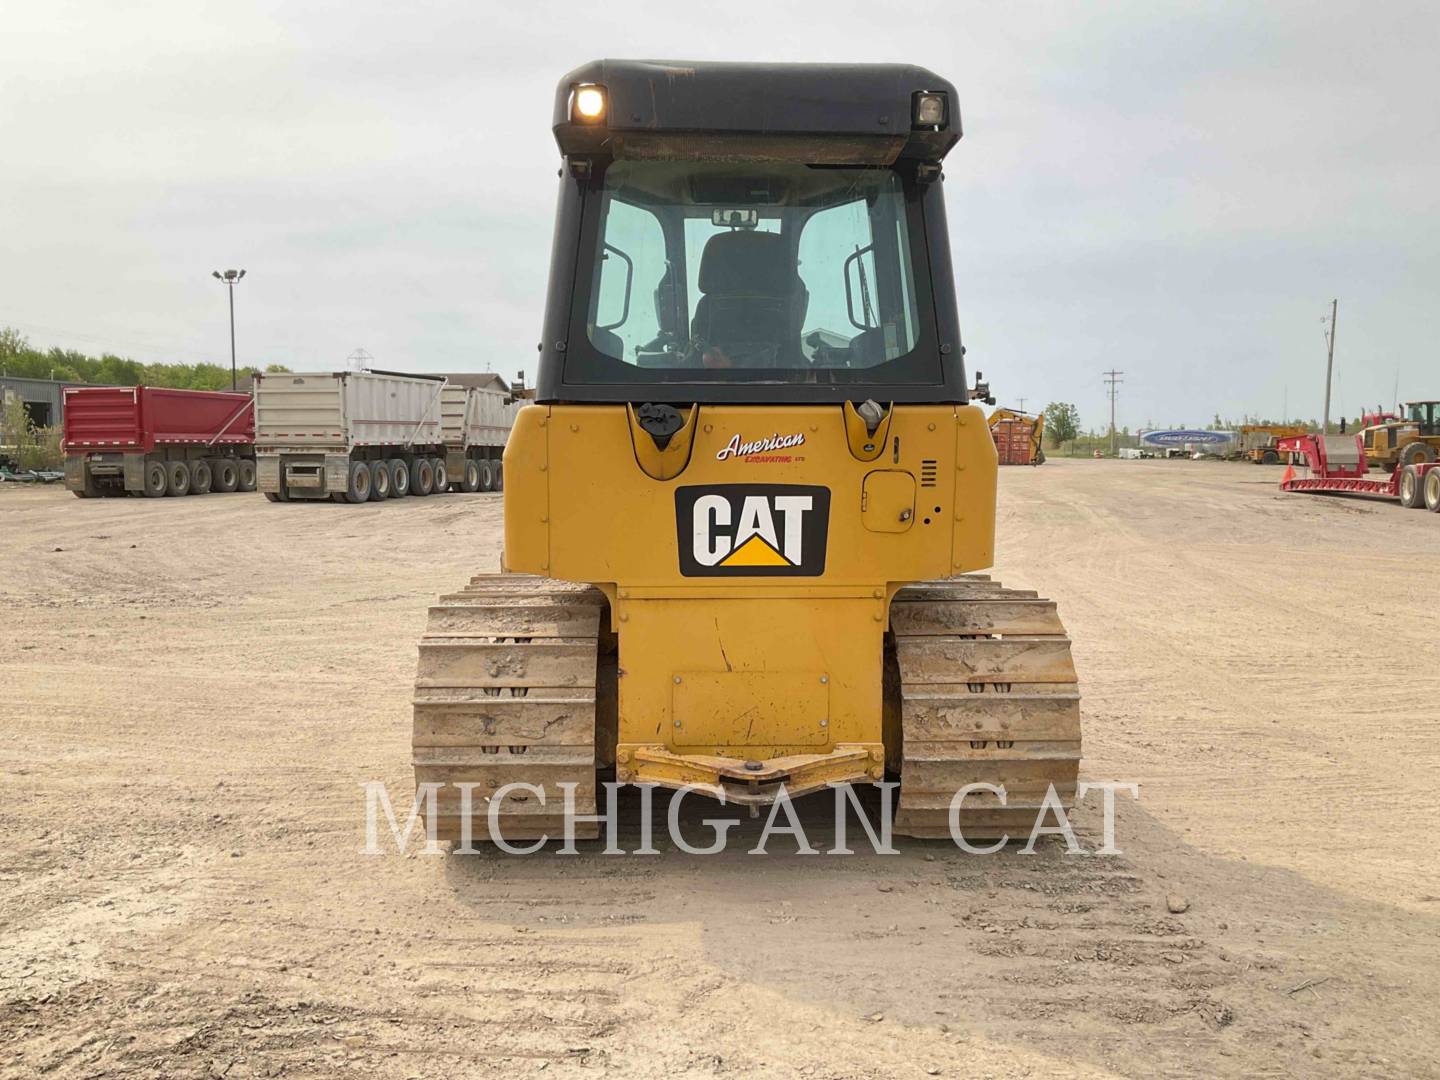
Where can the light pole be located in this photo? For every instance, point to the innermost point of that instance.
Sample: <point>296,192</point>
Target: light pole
<point>230,277</point>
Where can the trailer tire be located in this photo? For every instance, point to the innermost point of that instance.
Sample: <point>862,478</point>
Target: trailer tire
<point>200,477</point>
<point>487,475</point>
<point>247,474</point>
<point>273,496</point>
<point>497,470</point>
<point>359,488</point>
<point>157,480</point>
<point>379,481</point>
<point>1432,491</point>
<point>442,475</point>
<point>224,476</point>
<point>1412,497</point>
<point>399,478</point>
<point>422,477</point>
<point>471,480</point>
<point>1270,457</point>
<point>177,475</point>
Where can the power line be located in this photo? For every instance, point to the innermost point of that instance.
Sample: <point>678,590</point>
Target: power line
<point>1112,387</point>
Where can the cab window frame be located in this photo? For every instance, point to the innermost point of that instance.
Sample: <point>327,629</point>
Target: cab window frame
<point>595,375</point>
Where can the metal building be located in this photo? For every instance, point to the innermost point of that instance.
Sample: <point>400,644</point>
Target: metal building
<point>43,399</point>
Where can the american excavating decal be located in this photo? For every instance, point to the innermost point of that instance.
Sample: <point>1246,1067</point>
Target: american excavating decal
<point>752,530</point>
<point>737,449</point>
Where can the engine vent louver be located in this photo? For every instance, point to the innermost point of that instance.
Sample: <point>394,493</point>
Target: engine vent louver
<point>928,473</point>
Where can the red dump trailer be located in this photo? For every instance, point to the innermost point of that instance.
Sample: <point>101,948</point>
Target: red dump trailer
<point>155,441</point>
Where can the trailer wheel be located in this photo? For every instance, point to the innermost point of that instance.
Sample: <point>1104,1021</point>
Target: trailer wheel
<point>224,476</point>
<point>1411,495</point>
<point>359,489</point>
<point>247,474</point>
<point>399,478</point>
<point>157,480</point>
<point>273,496</point>
<point>178,475</point>
<point>1269,457</point>
<point>200,477</point>
<point>1432,491</point>
<point>497,470</point>
<point>422,477</point>
<point>487,475</point>
<point>442,475</point>
<point>471,480</point>
<point>379,480</point>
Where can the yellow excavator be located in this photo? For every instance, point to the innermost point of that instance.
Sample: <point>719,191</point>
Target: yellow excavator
<point>744,513</point>
<point>1031,428</point>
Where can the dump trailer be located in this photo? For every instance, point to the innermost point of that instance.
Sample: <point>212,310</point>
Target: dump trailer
<point>156,441</point>
<point>475,422</point>
<point>739,555</point>
<point>351,436</point>
<point>1336,465</point>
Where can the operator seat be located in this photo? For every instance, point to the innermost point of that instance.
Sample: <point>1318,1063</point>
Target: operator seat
<point>752,304</point>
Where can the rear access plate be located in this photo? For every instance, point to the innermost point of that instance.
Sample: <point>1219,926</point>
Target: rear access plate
<point>750,708</point>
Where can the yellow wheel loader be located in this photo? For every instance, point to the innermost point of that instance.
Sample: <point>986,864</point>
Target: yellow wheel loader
<point>1412,440</point>
<point>743,514</point>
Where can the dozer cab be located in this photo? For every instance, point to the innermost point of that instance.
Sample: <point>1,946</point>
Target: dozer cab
<point>1411,440</point>
<point>743,514</point>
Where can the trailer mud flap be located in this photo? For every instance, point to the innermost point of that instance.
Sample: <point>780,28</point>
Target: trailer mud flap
<point>267,473</point>
<point>75,472</point>
<point>337,472</point>
<point>134,472</point>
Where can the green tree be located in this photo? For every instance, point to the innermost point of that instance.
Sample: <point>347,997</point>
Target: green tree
<point>1062,422</point>
<point>15,430</point>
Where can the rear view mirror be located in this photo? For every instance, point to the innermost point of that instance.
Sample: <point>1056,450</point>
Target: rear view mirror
<point>735,219</point>
<point>608,297</point>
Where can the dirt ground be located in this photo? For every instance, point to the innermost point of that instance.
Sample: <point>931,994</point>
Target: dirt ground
<point>183,738</point>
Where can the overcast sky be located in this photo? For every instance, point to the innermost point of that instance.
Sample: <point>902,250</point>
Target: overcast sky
<point>1176,191</point>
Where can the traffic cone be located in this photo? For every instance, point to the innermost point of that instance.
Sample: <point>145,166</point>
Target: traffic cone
<point>1289,475</point>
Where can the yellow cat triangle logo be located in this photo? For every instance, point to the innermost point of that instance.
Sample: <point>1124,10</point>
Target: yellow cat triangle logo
<point>755,552</point>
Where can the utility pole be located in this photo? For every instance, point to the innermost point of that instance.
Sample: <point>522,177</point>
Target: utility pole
<point>230,277</point>
<point>1022,404</point>
<point>1112,383</point>
<point>1329,365</point>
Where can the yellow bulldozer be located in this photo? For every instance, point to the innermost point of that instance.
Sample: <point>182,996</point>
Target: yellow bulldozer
<point>744,513</point>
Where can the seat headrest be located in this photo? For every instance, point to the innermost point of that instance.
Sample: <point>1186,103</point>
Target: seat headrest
<point>747,264</point>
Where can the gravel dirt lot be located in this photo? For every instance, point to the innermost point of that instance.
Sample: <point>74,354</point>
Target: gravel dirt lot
<point>183,739</point>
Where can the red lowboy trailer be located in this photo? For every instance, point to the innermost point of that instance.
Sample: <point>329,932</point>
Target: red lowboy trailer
<point>1337,464</point>
<point>155,441</point>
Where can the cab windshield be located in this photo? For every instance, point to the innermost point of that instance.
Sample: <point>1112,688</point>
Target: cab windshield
<point>1424,414</point>
<point>715,272</point>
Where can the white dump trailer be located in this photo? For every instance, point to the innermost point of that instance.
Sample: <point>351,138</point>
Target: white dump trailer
<point>350,435</point>
<point>475,421</point>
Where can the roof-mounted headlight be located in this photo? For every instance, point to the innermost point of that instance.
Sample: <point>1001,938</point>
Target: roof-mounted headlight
<point>929,110</point>
<point>587,103</point>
